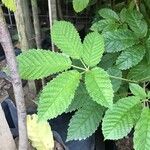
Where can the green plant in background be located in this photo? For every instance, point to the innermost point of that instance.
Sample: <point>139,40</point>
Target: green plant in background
<point>126,33</point>
<point>129,112</point>
<point>58,94</point>
<point>127,46</point>
<point>79,5</point>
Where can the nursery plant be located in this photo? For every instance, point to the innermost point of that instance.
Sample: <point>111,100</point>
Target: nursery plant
<point>90,75</point>
<point>71,79</point>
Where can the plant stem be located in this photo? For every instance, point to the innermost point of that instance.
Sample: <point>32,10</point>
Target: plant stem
<point>147,84</point>
<point>137,5</point>
<point>83,63</point>
<point>36,23</point>
<point>123,79</point>
<point>78,67</point>
<point>83,72</point>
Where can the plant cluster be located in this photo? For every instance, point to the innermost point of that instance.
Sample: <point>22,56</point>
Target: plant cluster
<point>93,76</point>
<point>58,94</point>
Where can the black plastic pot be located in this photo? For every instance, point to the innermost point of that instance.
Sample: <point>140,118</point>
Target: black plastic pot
<point>95,142</point>
<point>10,112</point>
<point>60,125</point>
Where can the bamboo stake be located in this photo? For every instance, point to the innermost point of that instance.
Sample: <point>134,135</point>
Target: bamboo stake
<point>50,21</point>
<point>23,27</point>
<point>6,42</point>
<point>36,23</point>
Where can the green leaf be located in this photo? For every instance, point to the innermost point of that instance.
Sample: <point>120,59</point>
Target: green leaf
<point>119,40</point>
<point>137,90</point>
<point>99,86</point>
<point>66,38</point>
<point>85,121</point>
<point>101,25</point>
<point>137,23</point>
<point>80,98</point>
<point>117,73</point>
<point>79,5</point>
<point>130,57</point>
<point>57,95</point>
<point>148,50</point>
<point>119,120</point>
<point>10,4</point>
<point>123,15</point>
<point>111,27</point>
<point>142,131</point>
<point>108,60</point>
<point>108,14</point>
<point>36,64</point>
<point>93,48</point>
<point>141,72</point>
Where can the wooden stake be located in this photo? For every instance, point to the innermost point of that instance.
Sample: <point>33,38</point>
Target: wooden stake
<point>6,42</point>
<point>51,21</point>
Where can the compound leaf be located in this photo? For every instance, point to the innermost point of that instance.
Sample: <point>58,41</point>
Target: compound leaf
<point>57,95</point>
<point>101,25</point>
<point>66,38</point>
<point>79,5</point>
<point>137,23</point>
<point>93,48</point>
<point>85,121</point>
<point>119,120</point>
<point>36,64</point>
<point>108,14</point>
<point>119,40</point>
<point>130,57</point>
<point>137,90</point>
<point>39,133</point>
<point>111,27</point>
<point>142,131</point>
<point>99,86</point>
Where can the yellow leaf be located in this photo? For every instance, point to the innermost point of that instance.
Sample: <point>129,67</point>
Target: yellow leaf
<point>39,133</point>
<point>10,4</point>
